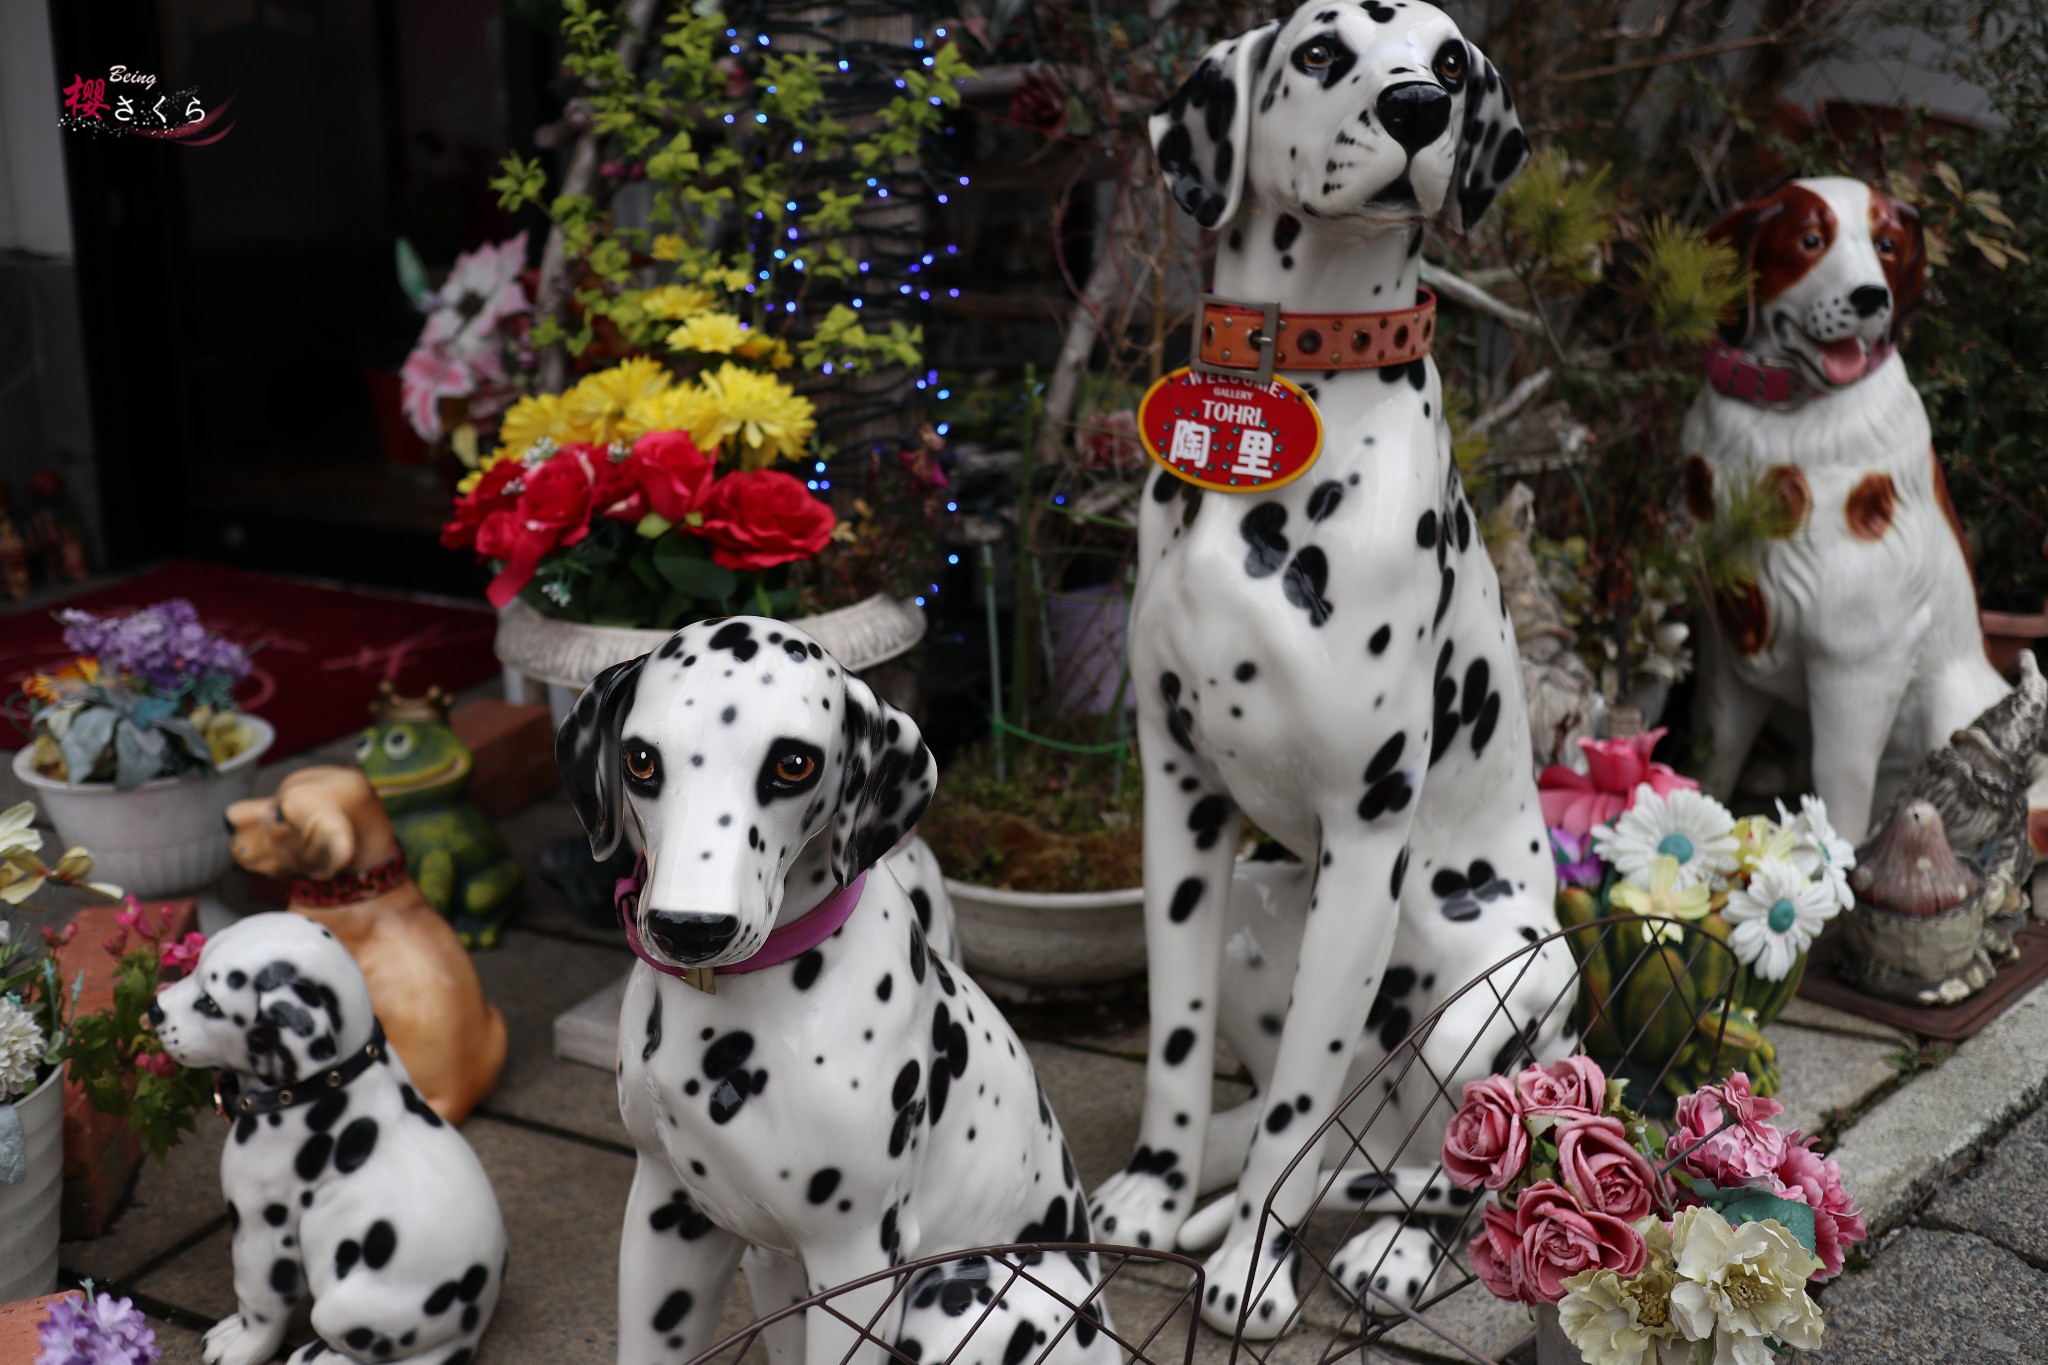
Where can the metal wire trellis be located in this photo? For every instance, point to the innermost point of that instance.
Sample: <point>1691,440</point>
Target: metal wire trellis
<point>1667,1010</point>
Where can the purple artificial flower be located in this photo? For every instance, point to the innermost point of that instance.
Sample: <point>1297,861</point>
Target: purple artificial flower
<point>1577,864</point>
<point>97,1330</point>
<point>162,646</point>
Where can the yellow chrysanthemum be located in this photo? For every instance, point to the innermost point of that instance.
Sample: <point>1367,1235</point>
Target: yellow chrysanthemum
<point>680,407</point>
<point>713,333</point>
<point>668,247</point>
<point>529,419</point>
<point>674,301</point>
<point>731,280</point>
<point>598,403</point>
<point>761,415</point>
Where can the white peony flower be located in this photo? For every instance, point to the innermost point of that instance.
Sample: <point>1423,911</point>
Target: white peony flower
<point>21,1049</point>
<point>1740,1285</point>
<point>1775,918</point>
<point>1820,852</point>
<point>1694,829</point>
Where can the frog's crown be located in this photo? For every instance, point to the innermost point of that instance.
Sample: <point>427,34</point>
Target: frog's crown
<point>389,706</point>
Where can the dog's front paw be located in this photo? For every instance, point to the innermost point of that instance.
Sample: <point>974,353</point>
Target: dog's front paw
<point>1271,1283</point>
<point>1140,1208</point>
<point>238,1341</point>
<point>1394,1263</point>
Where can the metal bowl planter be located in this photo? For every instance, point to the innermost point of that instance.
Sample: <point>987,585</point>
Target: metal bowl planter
<point>1683,1009</point>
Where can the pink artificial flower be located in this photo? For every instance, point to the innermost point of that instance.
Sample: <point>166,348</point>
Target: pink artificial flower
<point>177,960</point>
<point>1572,1085</point>
<point>134,916</point>
<point>427,377</point>
<point>1597,1163</point>
<point>1805,1175</point>
<point>1486,1144</point>
<point>1492,1254</point>
<point>156,1063</point>
<point>1726,1133</point>
<point>1579,803</point>
<point>1557,1237</point>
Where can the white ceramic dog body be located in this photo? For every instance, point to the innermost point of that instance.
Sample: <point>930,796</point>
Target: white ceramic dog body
<point>358,1194</point>
<point>1864,618</point>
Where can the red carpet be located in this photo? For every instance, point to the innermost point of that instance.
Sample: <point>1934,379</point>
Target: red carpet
<point>317,653</point>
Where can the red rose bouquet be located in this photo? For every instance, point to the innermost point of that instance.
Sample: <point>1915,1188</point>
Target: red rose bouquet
<point>1695,1246</point>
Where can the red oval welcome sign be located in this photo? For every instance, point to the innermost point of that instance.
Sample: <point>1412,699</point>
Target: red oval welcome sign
<point>1228,434</point>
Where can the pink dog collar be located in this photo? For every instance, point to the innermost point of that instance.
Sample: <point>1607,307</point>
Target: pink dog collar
<point>791,940</point>
<point>1738,374</point>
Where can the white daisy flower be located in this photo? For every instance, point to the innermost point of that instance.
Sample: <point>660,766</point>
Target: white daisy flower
<point>1775,918</point>
<point>21,1049</point>
<point>1694,829</point>
<point>1820,852</point>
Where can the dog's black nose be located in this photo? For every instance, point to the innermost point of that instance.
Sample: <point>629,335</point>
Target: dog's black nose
<point>1868,298</point>
<point>690,938</point>
<point>156,1014</point>
<point>1415,113</point>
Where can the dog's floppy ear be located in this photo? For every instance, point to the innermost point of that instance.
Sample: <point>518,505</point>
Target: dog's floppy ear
<point>1492,148</point>
<point>587,752</point>
<point>886,783</point>
<point>1744,230</point>
<point>1201,132</point>
<point>1905,270</point>
<point>327,843</point>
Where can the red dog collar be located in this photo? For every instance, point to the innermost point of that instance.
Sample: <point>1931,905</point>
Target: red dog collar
<point>1238,336</point>
<point>350,887</point>
<point>791,940</point>
<point>1738,374</point>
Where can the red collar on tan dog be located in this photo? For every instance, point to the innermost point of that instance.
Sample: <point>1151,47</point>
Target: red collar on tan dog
<point>1233,336</point>
<point>1737,373</point>
<point>350,887</point>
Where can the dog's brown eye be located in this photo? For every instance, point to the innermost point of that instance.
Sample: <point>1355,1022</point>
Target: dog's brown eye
<point>1450,65</point>
<point>641,763</point>
<point>1887,247</point>
<point>1810,242</point>
<point>795,767</point>
<point>1317,55</point>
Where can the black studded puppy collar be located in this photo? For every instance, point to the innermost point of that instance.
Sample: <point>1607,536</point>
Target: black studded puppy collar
<point>232,1102</point>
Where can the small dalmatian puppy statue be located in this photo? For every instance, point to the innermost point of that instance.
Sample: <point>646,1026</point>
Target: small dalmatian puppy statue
<point>342,1183</point>
<point>1331,658</point>
<point>843,1099</point>
<point>1864,618</point>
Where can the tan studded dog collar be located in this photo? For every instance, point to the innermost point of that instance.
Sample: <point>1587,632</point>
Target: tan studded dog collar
<point>1237,336</point>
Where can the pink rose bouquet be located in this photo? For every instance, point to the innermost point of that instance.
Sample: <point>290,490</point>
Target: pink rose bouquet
<point>1635,1233</point>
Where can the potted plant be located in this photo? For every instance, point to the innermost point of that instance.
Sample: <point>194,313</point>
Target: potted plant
<point>138,748</point>
<point>109,1053</point>
<point>1696,1240</point>
<point>1631,835</point>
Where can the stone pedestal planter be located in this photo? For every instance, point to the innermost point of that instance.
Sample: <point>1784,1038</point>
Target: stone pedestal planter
<point>29,1211</point>
<point>162,838</point>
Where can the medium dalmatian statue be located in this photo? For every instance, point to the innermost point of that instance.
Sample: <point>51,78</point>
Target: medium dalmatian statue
<point>1330,658</point>
<point>842,1099</point>
<point>1864,618</point>
<point>342,1183</point>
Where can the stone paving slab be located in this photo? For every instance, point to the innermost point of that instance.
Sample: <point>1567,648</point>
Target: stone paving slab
<point>173,1200</point>
<point>180,1345</point>
<point>1814,1015</point>
<point>1934,1124</point>
<point>1828,1074</point>
<point>533,977</point>
<point>1936,1296</point>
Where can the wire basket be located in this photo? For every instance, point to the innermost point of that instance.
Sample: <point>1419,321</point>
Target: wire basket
<point>1346,1307</point>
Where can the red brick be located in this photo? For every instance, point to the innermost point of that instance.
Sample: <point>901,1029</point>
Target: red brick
<point>514,748</point>
<point>100,1158</point>
<point>18,1323</point>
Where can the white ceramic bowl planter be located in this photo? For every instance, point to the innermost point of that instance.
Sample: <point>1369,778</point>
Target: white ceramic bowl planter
<point>29,1211</point>
<point>566,655</point>
<point>161,838</point>
<point>1026,939</point>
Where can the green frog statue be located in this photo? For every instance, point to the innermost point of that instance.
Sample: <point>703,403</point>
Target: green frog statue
<point>420,769</point>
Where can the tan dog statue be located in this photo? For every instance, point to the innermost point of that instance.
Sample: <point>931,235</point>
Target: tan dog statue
<point>326,833</point>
